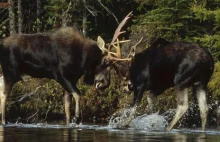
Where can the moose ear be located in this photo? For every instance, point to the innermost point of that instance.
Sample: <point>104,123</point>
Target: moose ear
<point>132,52</point>
<point>101,44</point>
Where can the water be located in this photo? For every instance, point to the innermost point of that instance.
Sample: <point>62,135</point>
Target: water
<point>124,126</point>
<point>99,133</point>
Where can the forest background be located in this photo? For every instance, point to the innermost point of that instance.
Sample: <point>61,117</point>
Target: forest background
<point>41,100</point>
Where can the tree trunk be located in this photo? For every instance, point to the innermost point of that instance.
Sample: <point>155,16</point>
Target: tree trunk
<point>39,18</point>
<point>84,22</point>
<point>11,18</point>
<point>65,15</point>
<point>20,19</point>
<point>84,25</point>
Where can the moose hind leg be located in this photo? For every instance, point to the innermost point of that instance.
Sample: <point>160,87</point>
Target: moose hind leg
<point>3,95</point>
<point>2,104</point>
<point>1,91</point>
<point>182,106</point>
<point>203,107</point>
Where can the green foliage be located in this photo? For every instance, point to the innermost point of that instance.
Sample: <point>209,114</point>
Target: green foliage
<point>186,20</point>
<point>36,98</point>
<point>214,84</point>
<point>3,29</point>
<point>165,19</point>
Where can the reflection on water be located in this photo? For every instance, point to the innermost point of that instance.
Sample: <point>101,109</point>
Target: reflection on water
<point>96,133</point>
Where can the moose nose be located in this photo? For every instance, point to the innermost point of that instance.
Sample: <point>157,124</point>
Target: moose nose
<point>98,83</point>
<point>95,83</point>
<point>130,86</point>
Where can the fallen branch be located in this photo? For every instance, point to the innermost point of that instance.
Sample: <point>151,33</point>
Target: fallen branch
<point>24,97</point>
<point>46,115</point>
<point>32,116</point>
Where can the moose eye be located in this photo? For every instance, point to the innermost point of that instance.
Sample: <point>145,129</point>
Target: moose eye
<point>106,62</point>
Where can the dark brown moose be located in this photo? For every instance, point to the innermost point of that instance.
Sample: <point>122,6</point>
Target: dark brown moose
<point>64,56</point>
<point>171,64</point>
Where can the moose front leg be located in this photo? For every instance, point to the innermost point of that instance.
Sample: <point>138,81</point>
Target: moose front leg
<point>67,104</point>
<point>138,94</point>
<point>150,101</point>
<point>77,117</point>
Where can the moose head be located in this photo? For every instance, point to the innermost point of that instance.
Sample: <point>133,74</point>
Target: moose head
<point>112,55</point>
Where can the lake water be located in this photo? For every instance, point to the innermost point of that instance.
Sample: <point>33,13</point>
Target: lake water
<point>99,133</point>
<point>122,127</point>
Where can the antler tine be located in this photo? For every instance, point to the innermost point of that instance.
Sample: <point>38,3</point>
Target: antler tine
<point>122,41</point>
<point>118,49</point>
<point>133,48</point>
<point>118,30</point>
<point>139,42</point>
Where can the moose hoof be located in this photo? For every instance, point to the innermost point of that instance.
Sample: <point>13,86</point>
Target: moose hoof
<point>77,119</point>
<point>167,129</point>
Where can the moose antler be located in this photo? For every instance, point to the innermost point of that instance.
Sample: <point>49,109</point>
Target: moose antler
<point>115,41</point>
<point>115,56</point>
<point>118,30</point>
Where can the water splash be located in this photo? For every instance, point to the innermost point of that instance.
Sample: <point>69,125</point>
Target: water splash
<point>156,122</point>
<point>122,118</point>
<point>126,118</point>
<point>191,119</point>
<point>153,122</point>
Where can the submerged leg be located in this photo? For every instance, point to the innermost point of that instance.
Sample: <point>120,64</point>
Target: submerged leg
<point>203,107</point>
<point>182,101</point>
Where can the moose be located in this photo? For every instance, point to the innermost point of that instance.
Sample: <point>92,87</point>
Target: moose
<point>64,56</point>
<point>171,64</point>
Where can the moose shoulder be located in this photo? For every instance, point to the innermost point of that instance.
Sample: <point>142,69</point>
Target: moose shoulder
<point>166,64</point>
<point>64,56</point>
